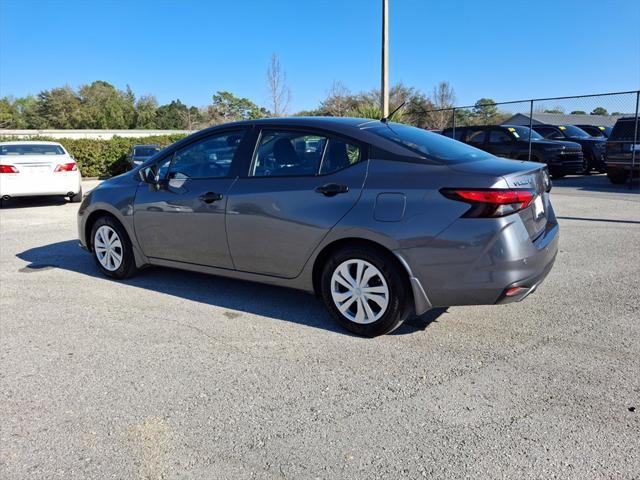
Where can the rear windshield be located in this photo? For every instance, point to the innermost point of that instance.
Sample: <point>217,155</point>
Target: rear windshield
<point>145,151</point>
<point>623,131</point>
<point>434,146</point>
<point>31,149</point>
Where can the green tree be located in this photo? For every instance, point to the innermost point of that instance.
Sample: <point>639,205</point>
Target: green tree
<point>485,111</point>
<point>599,111</point>
<point>103,106</point>
<point>226,107</point>
<point>578,112</point>
<point>146,110</point>
<point>172,116</point>
<point>7,113</point>
<point>58,108</point>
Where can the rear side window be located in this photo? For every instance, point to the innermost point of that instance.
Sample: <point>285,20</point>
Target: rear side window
<point>432,146</point>
<point>339,155</point>
<point>283,153</point>
<point>30,149</point>
<point>624,130</point>
<point>499,137</point>
<point>476,136</point>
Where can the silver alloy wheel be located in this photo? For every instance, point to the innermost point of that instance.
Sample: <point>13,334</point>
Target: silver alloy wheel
<point>359,291</point>
<point>108,248</point>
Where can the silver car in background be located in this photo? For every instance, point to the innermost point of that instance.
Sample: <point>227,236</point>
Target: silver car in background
<point>380,220</point>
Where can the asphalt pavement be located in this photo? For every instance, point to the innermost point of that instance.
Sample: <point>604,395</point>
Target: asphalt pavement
<point>176,375</point>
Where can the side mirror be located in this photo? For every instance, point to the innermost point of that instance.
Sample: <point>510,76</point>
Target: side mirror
<point>149,175</point>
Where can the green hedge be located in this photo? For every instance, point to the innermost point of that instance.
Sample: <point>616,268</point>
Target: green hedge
<point>98,158</point>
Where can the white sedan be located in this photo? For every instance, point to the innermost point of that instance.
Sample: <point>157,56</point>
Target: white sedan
<point>30,168</point>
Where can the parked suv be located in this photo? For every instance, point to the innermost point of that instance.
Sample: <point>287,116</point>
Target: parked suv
<point>512,141</point>
<point>380,220</point>
<point>596,131</point>
<point>592,148</point>
<point>620,148</point>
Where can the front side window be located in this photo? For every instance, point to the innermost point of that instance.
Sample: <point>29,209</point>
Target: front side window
<point>499,137</point>
<point>210,157</point>
<point>288,153</point>
<point>551,133</point>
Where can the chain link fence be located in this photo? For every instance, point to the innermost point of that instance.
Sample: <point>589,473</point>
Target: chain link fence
<point>573,117</point>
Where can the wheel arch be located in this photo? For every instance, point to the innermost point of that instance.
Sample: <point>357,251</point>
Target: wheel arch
<point>417,295</point>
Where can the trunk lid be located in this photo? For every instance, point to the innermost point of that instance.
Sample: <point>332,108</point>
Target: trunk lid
<point>34,164</point>
<point>518,175</point>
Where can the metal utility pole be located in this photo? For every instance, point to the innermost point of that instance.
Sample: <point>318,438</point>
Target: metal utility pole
<point>384,89</point>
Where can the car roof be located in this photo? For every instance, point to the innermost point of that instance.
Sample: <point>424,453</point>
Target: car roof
<point>29,142</point>
<point>319,122</point>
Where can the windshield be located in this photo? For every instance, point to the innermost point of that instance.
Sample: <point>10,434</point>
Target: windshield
<point>432,145</point>
<point>31,149</point>
<point>145,151</point>
<point>572,131</point>
<point>522,133</point>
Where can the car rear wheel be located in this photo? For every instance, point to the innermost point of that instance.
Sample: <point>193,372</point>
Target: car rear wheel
<point>112,248</point>
<point>617,177</point>
<point>365,291</point>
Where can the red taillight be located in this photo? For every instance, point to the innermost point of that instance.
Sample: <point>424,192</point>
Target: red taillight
<point>8,169</point>
<point>66,167</point>
<point>491,202</point>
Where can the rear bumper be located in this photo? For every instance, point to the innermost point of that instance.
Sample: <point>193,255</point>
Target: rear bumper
<point>474,261</point>
<point>18,185</point>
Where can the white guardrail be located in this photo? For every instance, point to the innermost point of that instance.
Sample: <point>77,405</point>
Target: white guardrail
<point>94,134</point>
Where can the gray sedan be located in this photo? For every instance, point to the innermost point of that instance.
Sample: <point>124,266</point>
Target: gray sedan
<point>380,220</point>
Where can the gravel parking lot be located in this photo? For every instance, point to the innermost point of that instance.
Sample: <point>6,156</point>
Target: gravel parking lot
<point>181,375</point>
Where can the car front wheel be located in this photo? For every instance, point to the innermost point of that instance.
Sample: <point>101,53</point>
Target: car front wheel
<point>112,248</point>
<point>365,291</point>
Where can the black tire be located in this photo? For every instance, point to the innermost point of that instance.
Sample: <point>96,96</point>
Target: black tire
<point>399,298</point>
<point>77,198</point>
<point>587,165</point>
<point>127,266</point>
<point>618,178</point>
<point>558,175</point>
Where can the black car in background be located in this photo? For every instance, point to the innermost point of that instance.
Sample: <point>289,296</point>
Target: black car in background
<point>512,141</point>
<point>620,151</point>
<point>596,131</point>
<point>141,153</point>
<point>593,148</point>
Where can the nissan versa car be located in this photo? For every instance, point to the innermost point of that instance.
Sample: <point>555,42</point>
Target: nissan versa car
<point>380,220</point>
<point>30,168</point>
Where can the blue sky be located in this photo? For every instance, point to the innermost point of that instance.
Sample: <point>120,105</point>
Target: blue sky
<point>189,49</point>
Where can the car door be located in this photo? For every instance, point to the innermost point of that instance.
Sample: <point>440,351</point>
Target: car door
<point>183,218</point>
<point>300,183</point>
<point>500,143</point>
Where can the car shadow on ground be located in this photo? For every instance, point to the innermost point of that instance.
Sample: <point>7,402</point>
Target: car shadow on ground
<point>265,300</point>
<point>596,183</point>
<point>29,202</point>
